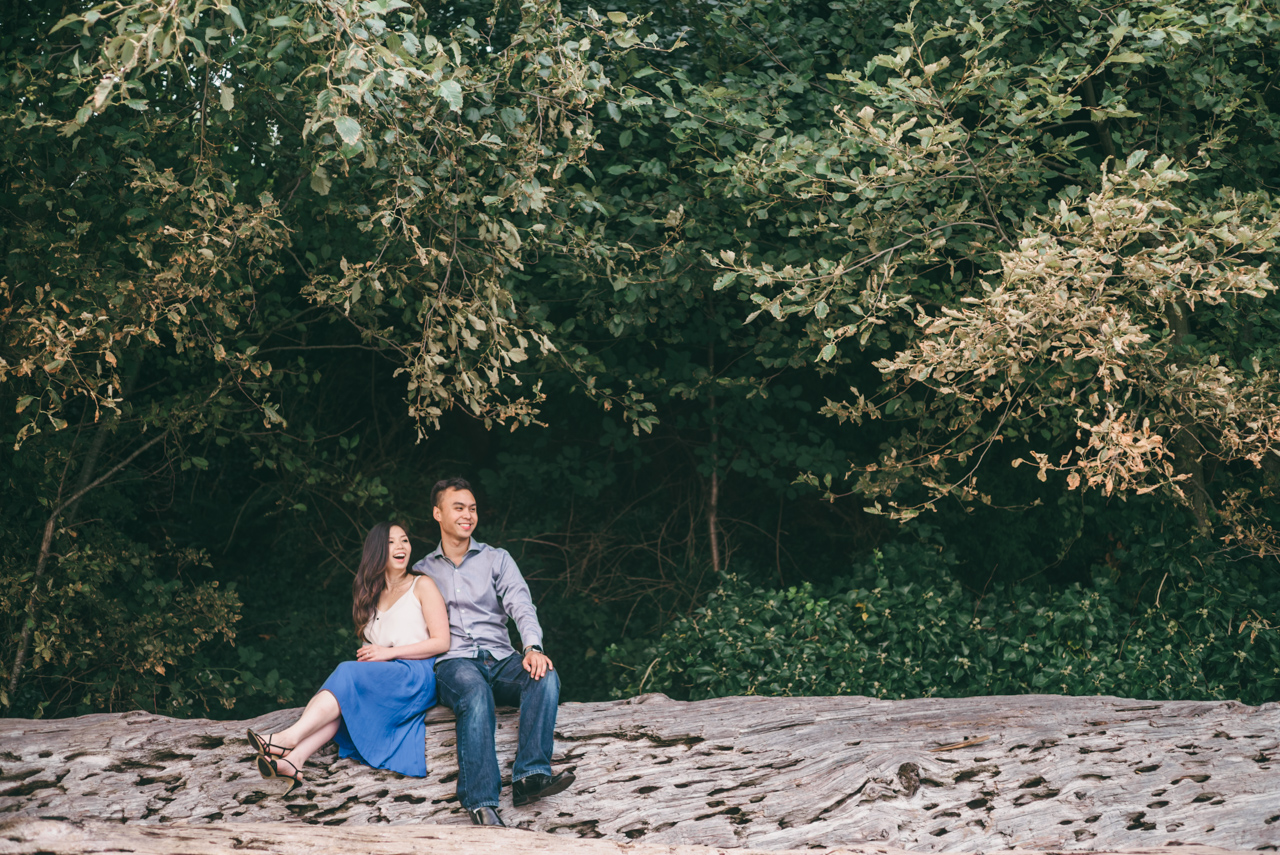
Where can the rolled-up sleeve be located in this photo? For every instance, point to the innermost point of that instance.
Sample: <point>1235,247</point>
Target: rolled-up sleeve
<point>513,592</point>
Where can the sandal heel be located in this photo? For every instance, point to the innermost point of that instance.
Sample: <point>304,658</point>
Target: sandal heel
<point>270,768</point>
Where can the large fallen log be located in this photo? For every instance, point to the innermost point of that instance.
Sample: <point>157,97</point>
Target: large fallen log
<point>976,774</point>
<point>89,837</point>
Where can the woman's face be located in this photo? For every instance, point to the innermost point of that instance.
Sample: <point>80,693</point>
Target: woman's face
<point>397,550</point>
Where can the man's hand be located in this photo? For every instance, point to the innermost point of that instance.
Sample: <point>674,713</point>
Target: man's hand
<point>375,653</point>
<point>537,664</point>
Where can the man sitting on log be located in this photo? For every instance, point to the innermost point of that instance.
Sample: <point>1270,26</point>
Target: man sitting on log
<point>483,587</point>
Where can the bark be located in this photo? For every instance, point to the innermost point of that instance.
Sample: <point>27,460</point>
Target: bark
<point>965,775</point>
<point>1186,446</point>
<point>105,427</point>
<point>713,507</point>
<point>713,515</point>
<point>1101,127</point>
<point>42,837</point>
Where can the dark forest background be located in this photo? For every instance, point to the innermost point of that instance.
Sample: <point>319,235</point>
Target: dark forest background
<point>869,347</point>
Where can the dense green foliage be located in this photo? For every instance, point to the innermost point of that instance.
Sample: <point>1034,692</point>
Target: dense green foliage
<point>901,627</point>
<point>122,630</point>
<point>752,283</point>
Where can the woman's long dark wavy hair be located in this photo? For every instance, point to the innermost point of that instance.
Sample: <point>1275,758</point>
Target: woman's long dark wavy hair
<point>371,578</point>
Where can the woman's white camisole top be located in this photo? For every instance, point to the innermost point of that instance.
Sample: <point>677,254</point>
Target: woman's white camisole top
<point>399,625</point>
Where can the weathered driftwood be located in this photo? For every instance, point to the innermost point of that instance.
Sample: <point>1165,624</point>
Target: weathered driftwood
<point>89,837</point>
<point>977,774</point>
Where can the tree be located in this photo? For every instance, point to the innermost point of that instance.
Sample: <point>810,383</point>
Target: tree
<point>190,189</point>
<point>736,271</point>
<point>984,219</point>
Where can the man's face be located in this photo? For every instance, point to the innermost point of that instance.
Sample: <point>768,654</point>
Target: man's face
<point>456,513</point>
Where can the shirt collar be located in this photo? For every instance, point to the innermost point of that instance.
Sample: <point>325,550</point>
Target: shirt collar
<point>472,548</point>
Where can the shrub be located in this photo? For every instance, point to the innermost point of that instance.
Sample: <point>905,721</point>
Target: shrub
<point>1211,637</point>
<point>117,628</point>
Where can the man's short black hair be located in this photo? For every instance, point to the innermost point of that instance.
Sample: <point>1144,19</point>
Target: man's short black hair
<point>448,484</point>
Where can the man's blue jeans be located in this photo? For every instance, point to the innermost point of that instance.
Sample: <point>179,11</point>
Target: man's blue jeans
<point>471,688</point>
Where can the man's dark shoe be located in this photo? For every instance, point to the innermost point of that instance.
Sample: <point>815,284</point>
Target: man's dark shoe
<point>528,790</point>
<point>485,816</point>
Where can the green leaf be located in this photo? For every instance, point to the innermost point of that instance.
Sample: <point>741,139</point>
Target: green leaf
<point>70,19</point>
<point>277,51</point>
<point>102,92</point>
<point>320,181</point>
<point>228,97</point>
<point>451,92</point>
<point>347,128</point>
<point>618,17</point>
<point>1128,56</point>
<point>234,14</point>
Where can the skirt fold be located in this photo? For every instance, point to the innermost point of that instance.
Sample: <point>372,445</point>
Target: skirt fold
<point>383,704</point>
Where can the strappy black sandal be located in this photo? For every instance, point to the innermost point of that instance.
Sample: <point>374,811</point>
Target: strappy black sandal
<point>269,767</point>
<point>265,746</point>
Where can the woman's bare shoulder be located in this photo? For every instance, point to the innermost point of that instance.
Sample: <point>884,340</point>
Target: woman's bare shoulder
<point>425,589</point>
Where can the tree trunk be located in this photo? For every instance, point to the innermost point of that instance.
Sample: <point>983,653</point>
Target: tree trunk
<point>963,775</point>
<point>42,560</point>
<point>713,518</point>
<point>713,506</point>
<point>1186,446</point>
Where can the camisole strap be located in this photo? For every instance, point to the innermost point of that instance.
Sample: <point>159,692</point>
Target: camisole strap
<point>399,624</point>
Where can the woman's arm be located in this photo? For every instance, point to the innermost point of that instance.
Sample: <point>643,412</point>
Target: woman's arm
<point>436,616</point>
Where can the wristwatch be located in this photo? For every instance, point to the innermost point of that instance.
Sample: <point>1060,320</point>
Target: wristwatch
<point>537,647</point>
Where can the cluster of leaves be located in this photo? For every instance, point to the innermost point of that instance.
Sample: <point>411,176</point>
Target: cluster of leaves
<point>977,210</point>
<point>421,145</point>
<point>900,627</point>
<point>1077,325</point>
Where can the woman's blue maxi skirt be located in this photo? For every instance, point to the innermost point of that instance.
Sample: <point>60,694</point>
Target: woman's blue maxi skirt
<point>382,712</point>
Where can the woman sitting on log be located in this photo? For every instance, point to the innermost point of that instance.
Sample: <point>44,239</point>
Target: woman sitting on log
<point>373,707</point>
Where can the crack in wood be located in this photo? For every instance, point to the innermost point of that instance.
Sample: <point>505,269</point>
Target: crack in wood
<point>775,773</point>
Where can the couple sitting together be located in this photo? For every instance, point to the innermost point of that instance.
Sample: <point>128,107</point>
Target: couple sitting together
<point>442,626</point>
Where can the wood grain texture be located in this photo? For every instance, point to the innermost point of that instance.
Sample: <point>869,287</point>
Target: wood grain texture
<point>978,774</point>
<point>89,837</point>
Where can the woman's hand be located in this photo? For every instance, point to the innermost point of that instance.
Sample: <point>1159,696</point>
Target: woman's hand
<point>375,653</point>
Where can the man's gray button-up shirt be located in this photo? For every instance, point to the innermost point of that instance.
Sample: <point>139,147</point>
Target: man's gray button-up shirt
<point>481,593</point>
